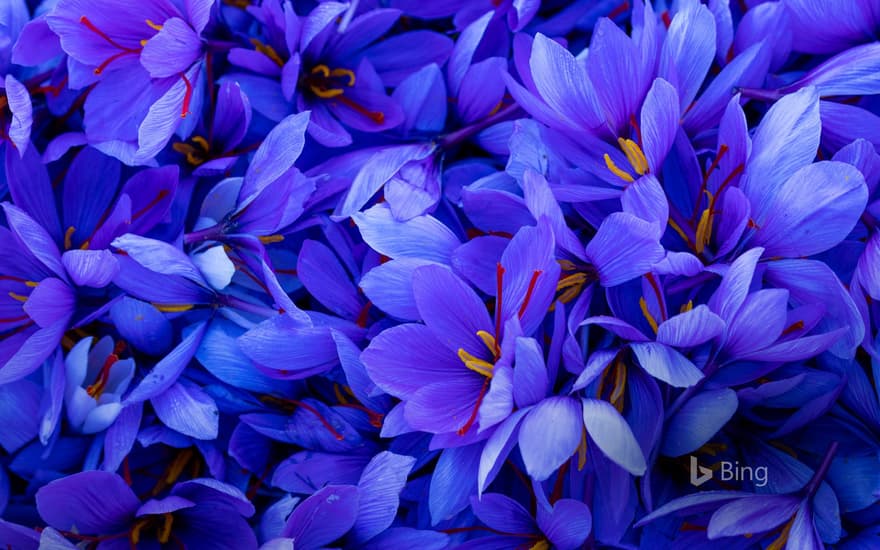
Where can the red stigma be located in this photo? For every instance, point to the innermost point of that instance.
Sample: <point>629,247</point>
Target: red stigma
<point>794,327</point>
<point>467,426</point>
<point>123,50</point>
<point>284,402</point>
<point>159,196</point>
<point>619,10</point>
<point>187,97</point>
<point>638,129</point>
<point>17,330</point>
<point>653,282</point>
<point>499,281</point>
<point>376,116</point>
<point>721,152</point>
<point>532,283</point>
<point>733,173</point>
<point>364,315</point>
<point>96,389</point>
<point>666,19</point>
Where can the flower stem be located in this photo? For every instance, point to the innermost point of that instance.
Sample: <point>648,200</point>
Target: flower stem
<point>814,483</point>
<point>458,136</point>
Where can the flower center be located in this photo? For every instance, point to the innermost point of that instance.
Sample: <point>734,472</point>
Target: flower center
<point>125,50</point>
<point>161,524</point>
<point>634,155</point>
<point>197,152</point>
<point>100,384</point>
<point>327,83</point>
<point>612,384</point>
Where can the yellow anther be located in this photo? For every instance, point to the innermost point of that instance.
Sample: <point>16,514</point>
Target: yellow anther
<point>540,545</point>
<point>339,397</point>
<point>346,73</point>
<point>144,42</point>
<point>153,25</point>
<point>480,366</point>
<point>704,231</point>
<point>268,51</point>
<point>650,318</point>
<point>781,541</point>
<point>32,284</point>
<point>489,341</point>
<point>269,239</point>
<point>68,235</point>
<point>712,449</point>
<point>687,307</point>
<point>177,466</point>
<point>582,449</point>
<point>193,157</point>
<point>201,142</point>
<point>571,287</point>
<point>323,69</point>
<point>566,265</point>
<point>326,93</point>
<point>574,279</point>
<point>616,170</point>
<point>18,297</point>
<point>616,397</point>
<point>634,155</point>
<point>135,536</point>
<point>677,228</point>
<point>173,308</point>
<point>164,533</point>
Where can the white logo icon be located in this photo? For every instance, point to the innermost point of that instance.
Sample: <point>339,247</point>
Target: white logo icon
<point>699,474</point>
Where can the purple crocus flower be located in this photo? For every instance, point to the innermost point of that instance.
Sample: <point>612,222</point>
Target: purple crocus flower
<point>361,513</point>
<point>796,508</point>
<point>214,146</point>
<point>38,299</point>
<point>96,379</point>
<point>845,24</point>
<point>544,450</point>
<point>336,71</point>
<point>146,60</point>
<point>101,507</point>
<point>565,524</point>
<point>459,339</point>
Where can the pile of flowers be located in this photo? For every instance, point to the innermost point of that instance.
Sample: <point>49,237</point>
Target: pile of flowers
<point>394,274</point>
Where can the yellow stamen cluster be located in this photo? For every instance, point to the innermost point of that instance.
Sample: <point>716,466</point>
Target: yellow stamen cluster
<point>480,366</point>
<point>647,313</point>
<point>326,72</point>
<point>268,51</point>
<point>634,155</point>
<point>269,239</point>
<point>173,308</point>
<point>195,156</point>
